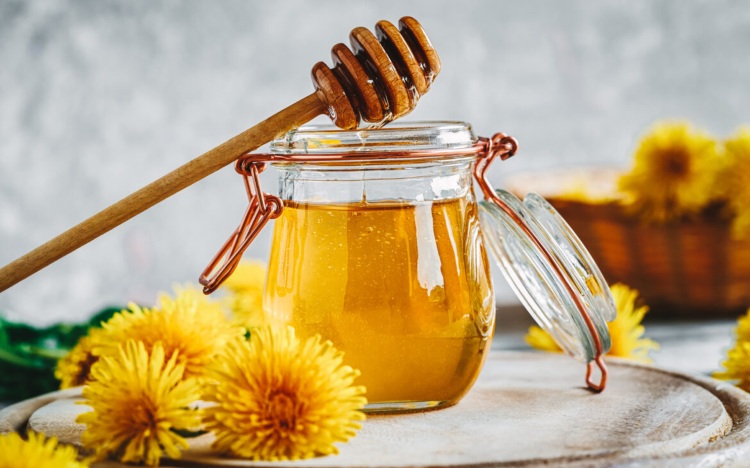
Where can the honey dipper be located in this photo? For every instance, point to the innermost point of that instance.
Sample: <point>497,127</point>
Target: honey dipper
<point>379,79</point>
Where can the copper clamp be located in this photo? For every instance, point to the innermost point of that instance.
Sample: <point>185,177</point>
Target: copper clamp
<point>262,207</point>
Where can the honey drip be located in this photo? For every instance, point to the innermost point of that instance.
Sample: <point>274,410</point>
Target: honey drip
<point>403,290</point>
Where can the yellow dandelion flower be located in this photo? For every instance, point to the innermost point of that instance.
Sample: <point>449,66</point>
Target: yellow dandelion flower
<point>139,399</point>
<point>737,364</point>
<point>673,173</point>
<point>189,323</point>
<point>625,331</point>
<point>187,297</point>
<point>537,338</point>
<point>36,452</point>
<point>280,398</point>
<point>734,180</point>
<point>245,300</point>
<point>74,368</point>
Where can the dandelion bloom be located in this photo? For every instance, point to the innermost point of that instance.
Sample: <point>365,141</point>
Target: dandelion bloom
<point>735,180</point>
<point>36,452</point>
<point>74,368</point>
<point>139,399</point>
<point>538,338</point>
<point>737,364</point>
<point>673,173</point>
<point>245,298</point>
<point>279,398</point>
<point>625,331</point>
<point>189,323</point>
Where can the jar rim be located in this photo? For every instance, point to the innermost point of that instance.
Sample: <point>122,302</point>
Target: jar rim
<point>396,137</point>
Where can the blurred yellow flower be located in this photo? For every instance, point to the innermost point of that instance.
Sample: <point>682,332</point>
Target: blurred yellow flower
<point>280,398</point>
<point>74,368</point>
<point>737,364</point>
<point>36,452</point>
<point>673,173</point>
<point>189,323</point>
<point>626,331</point>
<point>538,338</point>
<point>590,186</point>
<point>245,298</point>
<point>138,400</point>
<point>734,181</point>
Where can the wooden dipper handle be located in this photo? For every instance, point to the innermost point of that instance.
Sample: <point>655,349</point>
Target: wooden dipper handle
<point>380,80</point>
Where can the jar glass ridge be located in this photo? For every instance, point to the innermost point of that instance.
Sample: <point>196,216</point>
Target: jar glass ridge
<point>386,259</point>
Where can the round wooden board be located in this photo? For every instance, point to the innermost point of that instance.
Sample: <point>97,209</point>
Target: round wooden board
<point>526,409</point>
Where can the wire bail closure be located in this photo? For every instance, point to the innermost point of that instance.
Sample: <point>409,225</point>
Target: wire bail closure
<point>262,207</point>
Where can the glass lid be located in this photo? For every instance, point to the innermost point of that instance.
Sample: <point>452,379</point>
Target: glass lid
<point>396,136</point>
<point>550,276</point>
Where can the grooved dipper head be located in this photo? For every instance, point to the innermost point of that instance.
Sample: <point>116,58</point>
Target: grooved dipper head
<point>381,77</point>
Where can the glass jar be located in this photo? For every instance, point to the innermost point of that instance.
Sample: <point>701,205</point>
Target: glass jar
<point>386,260</point>
<point>377,247</point>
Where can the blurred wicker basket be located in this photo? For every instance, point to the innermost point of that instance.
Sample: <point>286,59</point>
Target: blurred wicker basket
<point>692,269</point>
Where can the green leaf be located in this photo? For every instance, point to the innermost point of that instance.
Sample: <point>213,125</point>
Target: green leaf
<point>29,355</point>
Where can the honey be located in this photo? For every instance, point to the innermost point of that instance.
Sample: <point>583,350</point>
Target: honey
<point>402,288</point>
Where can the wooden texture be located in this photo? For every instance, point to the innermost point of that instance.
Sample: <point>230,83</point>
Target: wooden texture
<point>421,45</point>
<point>527,409</point>
<point>410,67</point>
<point>15,417</point>
<point>370,106</point>
<point>364,41</point>
<point>689,269</point>
<point>381,78</point>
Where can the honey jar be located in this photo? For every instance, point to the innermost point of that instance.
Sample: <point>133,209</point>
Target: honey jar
<point>378,247</point>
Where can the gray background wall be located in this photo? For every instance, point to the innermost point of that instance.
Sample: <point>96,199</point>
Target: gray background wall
<point>98,98</point>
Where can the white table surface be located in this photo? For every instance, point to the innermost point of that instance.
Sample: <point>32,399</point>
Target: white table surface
<point>693,347</point>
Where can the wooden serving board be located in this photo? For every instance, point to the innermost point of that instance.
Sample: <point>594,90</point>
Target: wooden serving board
<point>526,409</point>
